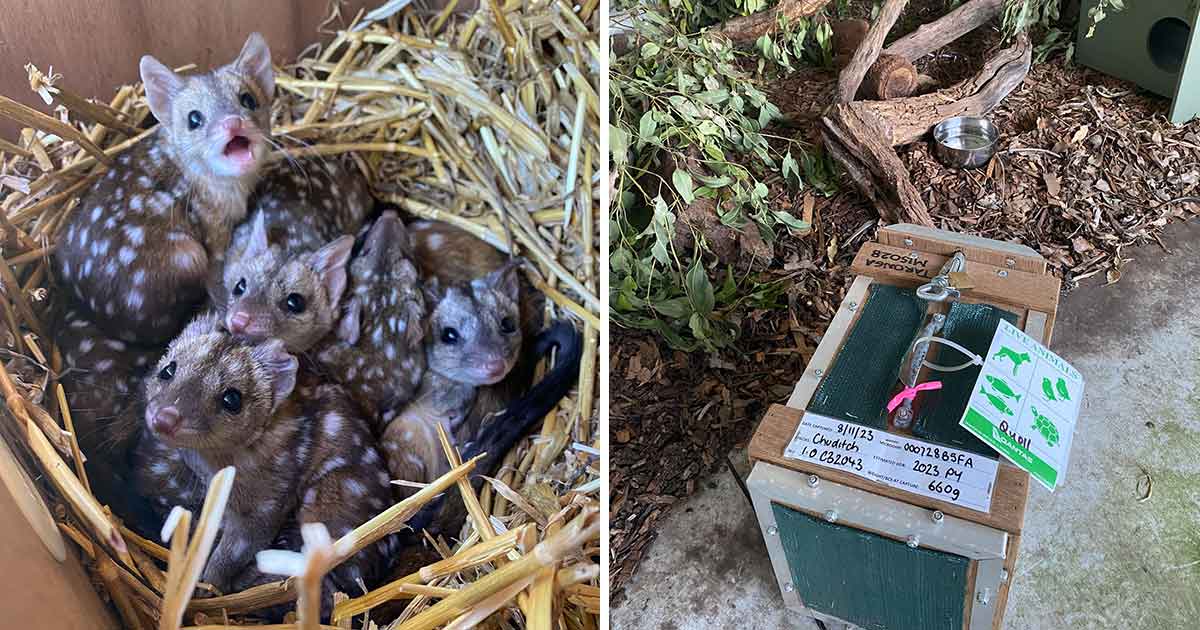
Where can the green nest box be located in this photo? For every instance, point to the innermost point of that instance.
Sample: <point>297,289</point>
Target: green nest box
<point>1152,43</point>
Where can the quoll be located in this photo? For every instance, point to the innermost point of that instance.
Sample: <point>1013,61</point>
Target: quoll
<point>377,351</point>
<point>137,250</point>
<point>303,454</point>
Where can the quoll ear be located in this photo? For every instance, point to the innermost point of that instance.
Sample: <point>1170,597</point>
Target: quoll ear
<point>259,242</point>
<point>433,290</point>
<point>255,62</point>
<point>329,263</point>
<point>280,368</point>
<point>162,84</point>
<point>351,322</point>
<point>505,279</point>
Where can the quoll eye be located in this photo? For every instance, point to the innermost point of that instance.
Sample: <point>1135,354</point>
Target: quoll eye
<point>240,287</point>
<point>168,372</point>
<point>508,326</point>
<point>195,119</point>
<point>449,336</point>
<point>248,101</point>
<point>231,400</point>
<point>294,303</point>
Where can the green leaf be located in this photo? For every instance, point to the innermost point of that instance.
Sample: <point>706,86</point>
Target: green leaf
<point>650,49</point>
<point>618,145</point>
<point>699,289</point>
<point>646,128</point>
<point>799,226</point>
<point>675,308</point>
<point>683,183</point>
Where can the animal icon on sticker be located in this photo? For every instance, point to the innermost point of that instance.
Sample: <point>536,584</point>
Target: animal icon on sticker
<point>1045,426</point>
<point>1017,358</point>
<point>996,401</point>
<point>1059,389</point>
<point>1002,387</point>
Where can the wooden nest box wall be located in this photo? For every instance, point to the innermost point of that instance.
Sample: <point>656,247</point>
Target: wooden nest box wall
<point>1151,43</point>
<point>900,554</point>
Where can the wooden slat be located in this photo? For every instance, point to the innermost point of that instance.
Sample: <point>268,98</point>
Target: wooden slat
<point>976,248</point>
<point>1008,499</point>
<point>992,283</point>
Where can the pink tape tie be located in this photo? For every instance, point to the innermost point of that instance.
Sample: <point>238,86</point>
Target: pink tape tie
<point>910,393</point>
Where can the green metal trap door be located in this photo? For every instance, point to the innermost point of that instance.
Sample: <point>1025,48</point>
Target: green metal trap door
<point>869,580</point>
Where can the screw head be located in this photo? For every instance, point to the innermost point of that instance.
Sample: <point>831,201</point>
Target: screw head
<point>1003,273</point>
<point>908,242</point>
<point>913,541</point>
<point>914,255</point>
<point>831,516</point>
<point>982,597</point>
<point>813,480</point>
<point>772,531</point>
<point>938,517</point>
<point>789,587</point>
<point>1010,263</point>
<point>852,305</point>
<point>818,371</point>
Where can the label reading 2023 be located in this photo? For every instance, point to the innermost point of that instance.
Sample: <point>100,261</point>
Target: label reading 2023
<point>947,474</point>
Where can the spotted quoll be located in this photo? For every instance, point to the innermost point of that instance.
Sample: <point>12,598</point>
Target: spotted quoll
<point>377,349</point>
<point>285,272</point>
<point>472,340</point>
<point>303,453</point>
<point>137,249</point>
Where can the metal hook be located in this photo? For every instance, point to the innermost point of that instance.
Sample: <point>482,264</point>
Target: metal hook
<point>938,289</point>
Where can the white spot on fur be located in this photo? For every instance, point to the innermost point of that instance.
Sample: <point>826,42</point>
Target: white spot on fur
<point>436,241</point>
<point>310,496</point>
<point>86,345</point>
<point>87,268</point>
<point>139,277</point>
<point>333,424</point>
<point>96,212</point>
<point>136,234</point>
<point>126,255</point>
<point>134,299</point>
<point>115,344</point>
<point>135,202</point>
<point>354,487</point>
<point>144,181</point>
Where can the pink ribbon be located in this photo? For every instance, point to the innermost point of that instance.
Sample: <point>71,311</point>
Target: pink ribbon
<point>910,393</point>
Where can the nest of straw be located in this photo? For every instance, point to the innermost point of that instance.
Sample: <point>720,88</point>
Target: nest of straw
<point>487,120</point>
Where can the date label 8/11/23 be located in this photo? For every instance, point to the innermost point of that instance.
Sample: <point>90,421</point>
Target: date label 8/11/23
<point>934,471</point>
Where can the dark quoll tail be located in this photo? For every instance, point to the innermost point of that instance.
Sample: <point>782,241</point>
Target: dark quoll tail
<point>498,436</point>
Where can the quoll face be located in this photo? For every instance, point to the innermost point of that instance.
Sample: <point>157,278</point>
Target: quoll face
<point>475,332</point>
<point>211,392</point>
<point>290,298</point>
<point>218,122</point>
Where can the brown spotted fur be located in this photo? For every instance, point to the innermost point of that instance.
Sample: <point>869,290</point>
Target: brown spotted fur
<point>137,249</point>
<point>302,453</point>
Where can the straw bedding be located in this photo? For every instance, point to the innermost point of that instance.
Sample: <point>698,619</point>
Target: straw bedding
<point>488,120</point>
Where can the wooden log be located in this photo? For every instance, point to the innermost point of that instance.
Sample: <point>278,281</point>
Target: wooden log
<point>908,119</point>
<point>852,77</point>
<point>890,77</point>
<point>861,135</point>
<point>747,28</point>
<point>933,35</point>
<point>855,137</point>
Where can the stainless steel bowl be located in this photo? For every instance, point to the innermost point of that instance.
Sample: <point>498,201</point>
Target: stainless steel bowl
<point>965,141</point>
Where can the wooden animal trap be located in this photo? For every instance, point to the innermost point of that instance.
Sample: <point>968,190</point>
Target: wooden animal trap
<point>901,519</point>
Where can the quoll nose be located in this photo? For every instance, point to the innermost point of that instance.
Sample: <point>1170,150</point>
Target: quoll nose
<point>495,367</point>
<point>238,322</point>
<point>232,124</point>
<point>164,421</point>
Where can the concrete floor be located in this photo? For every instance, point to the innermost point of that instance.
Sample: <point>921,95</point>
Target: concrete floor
<point>1092,555</point>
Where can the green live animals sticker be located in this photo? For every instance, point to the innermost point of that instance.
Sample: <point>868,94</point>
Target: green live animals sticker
<point>1025,404</point>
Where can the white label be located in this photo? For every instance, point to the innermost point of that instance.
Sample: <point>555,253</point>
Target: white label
<point>916,466</point>
<point>1025,404</point>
